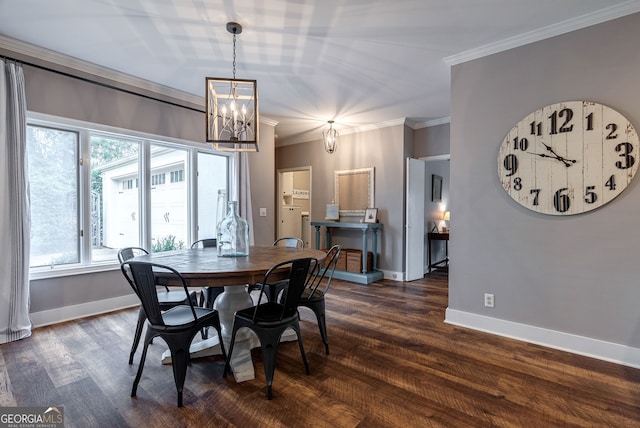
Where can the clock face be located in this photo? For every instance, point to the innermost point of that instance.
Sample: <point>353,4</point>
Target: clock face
<point>568,158</point>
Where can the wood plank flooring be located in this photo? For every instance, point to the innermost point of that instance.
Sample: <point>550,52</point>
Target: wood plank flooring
<point>393,363</point>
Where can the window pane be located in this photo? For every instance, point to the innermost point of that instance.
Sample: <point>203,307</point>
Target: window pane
<point>53,182</point>
<point>212,176</point>
<point>169,199</point>
<point>114,207</point>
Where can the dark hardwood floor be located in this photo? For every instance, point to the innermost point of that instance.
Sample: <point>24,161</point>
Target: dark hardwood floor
<point>393,363</point>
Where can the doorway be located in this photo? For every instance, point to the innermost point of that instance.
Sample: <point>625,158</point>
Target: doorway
<point>437,205</point>
<point>293,204</point>
<point>424,212</point>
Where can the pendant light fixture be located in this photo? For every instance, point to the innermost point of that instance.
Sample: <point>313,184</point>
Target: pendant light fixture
<point>232,109</point>
<point>330,138</point>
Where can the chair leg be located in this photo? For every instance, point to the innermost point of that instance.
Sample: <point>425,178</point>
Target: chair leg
<point>136,338</point>
<point>227,364</point>
<point>269,351</point>
<point>318,309</point>
<point>147,340</point>
<point>179,361</point>
<point>219,331</point>
<point>204,296</point>
<point>296,327</point>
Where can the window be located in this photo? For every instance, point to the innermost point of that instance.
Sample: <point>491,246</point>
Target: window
<point>79,219</point>
<point>157,179</point>
<point>177,176</point>
<point>212,173</point>
<point>115,219</point>
<point>169,213</point>
<point>54,187</point>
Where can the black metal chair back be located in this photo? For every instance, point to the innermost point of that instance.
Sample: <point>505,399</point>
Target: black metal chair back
<point>205,243</point>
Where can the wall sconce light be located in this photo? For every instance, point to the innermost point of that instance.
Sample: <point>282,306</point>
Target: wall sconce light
<point>232,109</point>
<point>330,138</point>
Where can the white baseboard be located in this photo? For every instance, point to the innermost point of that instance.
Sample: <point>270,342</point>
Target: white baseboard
<point>68,313</point>
<point>395,276</point>
<point>607,351</point>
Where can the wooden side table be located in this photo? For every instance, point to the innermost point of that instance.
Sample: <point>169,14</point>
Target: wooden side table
<point>437,236</point>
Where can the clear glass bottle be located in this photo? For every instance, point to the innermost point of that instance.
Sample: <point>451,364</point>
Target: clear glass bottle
<point>233,234</point>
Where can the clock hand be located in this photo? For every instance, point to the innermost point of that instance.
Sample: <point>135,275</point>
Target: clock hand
<point>550,149</point>
<point>542,155</point>
<point>566,162</point>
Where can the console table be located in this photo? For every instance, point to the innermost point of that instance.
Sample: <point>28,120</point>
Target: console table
<point>438,236</point>
<point>363,277</point>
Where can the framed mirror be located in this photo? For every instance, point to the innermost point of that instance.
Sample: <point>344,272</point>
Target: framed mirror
<point>354,190</point>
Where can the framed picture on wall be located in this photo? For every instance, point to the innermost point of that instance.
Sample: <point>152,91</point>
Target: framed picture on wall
<point>332,212</point>
<point>436,188</point>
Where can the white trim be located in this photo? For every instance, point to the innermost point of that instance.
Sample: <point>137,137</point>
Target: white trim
<point>436,158</point>
<point>38,273</point>
<point>433,122</point>
<point>82,310</point>
<point>594,348</point>
<point>393,275</point>
<point>553,30</point>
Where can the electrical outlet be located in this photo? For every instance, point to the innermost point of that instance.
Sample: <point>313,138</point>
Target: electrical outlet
<point>488,300</point>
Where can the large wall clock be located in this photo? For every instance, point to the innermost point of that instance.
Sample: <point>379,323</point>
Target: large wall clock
<point>568,158</point>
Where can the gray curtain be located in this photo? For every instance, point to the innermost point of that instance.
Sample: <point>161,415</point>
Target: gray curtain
<point>14,205</point>
<point>241,189</point>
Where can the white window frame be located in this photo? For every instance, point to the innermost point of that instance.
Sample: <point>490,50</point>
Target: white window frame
<point>85,130</point>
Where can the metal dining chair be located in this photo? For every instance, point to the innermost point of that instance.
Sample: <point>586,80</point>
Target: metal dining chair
<point>290,242</point>
<point>273,290</point>
<point>166,299</point>
<point>315,291</point>
<point>270,319</point>
<point>176,326</point>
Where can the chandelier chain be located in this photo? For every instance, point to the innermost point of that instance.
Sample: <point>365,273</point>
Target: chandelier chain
<point>234,55</point>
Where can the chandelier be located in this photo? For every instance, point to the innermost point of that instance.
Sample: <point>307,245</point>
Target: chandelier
<point>330,138</point>
<point>232,109</point>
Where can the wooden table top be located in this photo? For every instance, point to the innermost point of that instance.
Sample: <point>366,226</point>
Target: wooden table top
<point>202,266</point>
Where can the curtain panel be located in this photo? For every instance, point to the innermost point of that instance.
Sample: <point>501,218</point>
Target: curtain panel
<point>14,205</point>
<point>240,186</point>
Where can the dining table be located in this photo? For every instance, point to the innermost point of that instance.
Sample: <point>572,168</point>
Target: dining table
<point>202,267</point>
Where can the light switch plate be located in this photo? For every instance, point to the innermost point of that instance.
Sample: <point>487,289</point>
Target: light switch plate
<point>263,212</point>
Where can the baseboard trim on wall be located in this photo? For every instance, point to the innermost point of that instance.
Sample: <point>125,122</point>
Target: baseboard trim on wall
<point>607,351</point>
<point>69,313</point>
<point>392,275</point>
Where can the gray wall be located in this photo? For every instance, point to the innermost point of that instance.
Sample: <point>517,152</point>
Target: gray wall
<point>432,141</point>
<point>575,274</point>
<point>263,186</point>
<point>384,149</point>
<point>64,96</point>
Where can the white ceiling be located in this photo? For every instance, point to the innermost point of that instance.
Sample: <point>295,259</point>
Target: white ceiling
<point>359,62</point>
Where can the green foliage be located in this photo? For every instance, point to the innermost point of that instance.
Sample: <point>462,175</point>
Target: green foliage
<point>166,243</point>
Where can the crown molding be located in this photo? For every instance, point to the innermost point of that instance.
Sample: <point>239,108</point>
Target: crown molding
<point>567,26</point>
<point>433,122</point>
<point>267,121</point>
<point>38,56</point>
